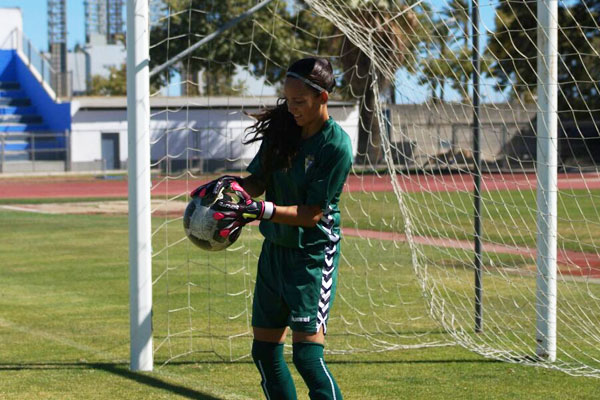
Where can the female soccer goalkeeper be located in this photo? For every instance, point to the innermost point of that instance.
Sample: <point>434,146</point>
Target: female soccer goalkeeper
<point>302,164</point>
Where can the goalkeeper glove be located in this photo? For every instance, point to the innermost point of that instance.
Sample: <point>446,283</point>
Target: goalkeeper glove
<point>235,215</point>
<point>213,187</point>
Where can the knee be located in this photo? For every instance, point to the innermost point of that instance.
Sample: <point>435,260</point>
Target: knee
<point>266,351</point>
<point>306,355</point>
<point>308,359</point>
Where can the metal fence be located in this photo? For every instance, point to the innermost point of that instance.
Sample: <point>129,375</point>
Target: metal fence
<point>39,151</point>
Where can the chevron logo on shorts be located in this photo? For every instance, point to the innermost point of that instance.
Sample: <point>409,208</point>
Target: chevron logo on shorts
<point>326,285</point>
<point>327,225</point>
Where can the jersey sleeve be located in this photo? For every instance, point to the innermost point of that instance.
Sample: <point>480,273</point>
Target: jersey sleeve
<point>329,177</point>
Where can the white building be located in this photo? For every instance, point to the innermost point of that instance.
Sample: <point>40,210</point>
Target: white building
<point>205,133</point>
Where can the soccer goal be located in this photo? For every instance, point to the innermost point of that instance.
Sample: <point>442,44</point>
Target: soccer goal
<point>470,216</point>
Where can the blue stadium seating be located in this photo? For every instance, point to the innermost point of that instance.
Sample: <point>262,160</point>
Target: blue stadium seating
<point>28,113</point>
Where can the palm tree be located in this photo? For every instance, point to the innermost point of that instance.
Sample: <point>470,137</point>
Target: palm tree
<point>389,27</point>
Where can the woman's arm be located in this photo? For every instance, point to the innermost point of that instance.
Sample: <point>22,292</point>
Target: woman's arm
<point>254,186</point>
<point>302,215</point>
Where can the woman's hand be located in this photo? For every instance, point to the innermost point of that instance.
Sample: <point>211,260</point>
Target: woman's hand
<point>213,187</point>
<point>247,209</point>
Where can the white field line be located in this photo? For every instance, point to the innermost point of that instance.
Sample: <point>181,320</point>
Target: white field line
<point>57,339</point>
<point>25,209</point>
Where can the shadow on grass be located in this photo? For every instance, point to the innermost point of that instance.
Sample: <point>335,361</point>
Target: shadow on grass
<point>120,369</point>
<point>123,368</point>
<point>149,379</point>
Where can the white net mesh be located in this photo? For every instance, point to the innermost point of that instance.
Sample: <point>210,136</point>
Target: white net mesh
<point>405,97</point>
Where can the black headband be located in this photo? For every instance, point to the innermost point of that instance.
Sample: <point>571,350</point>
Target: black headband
<point>309,83</point>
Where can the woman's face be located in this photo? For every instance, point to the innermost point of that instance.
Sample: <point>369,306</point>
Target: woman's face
<point>302,101</point>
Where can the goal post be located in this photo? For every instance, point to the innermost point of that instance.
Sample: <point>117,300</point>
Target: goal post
<point>138,132</point>
<point>547,154</point>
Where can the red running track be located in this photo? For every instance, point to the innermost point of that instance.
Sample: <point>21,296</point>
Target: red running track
<point>86,188</point>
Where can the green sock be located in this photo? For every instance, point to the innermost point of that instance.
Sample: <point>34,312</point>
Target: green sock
<point>308,359</point>
<point>276,381</point>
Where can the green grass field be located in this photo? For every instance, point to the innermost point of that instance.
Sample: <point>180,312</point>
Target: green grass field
<point>64,325</point>
<point>508,216</point>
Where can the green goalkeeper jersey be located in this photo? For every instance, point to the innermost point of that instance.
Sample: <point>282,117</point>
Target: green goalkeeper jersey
<point>316,177</point>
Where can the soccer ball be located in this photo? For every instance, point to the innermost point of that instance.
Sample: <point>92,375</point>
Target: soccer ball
<point>202,228</point>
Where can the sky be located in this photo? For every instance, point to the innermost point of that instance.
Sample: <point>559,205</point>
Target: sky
<point>35,21</point>
<point>35,26</point>
<point>408,89</point>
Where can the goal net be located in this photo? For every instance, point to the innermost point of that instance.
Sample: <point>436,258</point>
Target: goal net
<point>406,96</point>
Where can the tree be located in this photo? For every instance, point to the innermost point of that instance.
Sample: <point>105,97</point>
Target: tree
<point>435,67</point>
<point>456,13</point>
<point>188,21</point>
<point>223,85</point>
<point>114,85</point>
<point>449,58</point>
<point>374,60</point>
<point>513,47</point>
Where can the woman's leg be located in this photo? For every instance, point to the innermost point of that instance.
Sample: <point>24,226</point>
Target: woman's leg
<point>267,353</point>
<point>309,289</point>
<point>308,359</point>
<point>269,310</point>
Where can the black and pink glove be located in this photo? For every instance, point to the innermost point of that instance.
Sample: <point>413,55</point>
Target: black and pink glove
<point>233,215</point>
<point>213,187</point>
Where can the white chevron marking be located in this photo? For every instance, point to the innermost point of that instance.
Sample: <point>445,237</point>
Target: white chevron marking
<point>324,307</point>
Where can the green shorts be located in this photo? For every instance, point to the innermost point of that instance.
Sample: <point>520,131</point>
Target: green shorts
<point>295,287</point>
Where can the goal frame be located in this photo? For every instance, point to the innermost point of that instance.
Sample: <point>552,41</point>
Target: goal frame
<point>139,183</point>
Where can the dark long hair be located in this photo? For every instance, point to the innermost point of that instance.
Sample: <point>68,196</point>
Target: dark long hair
<point>277,127</point>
